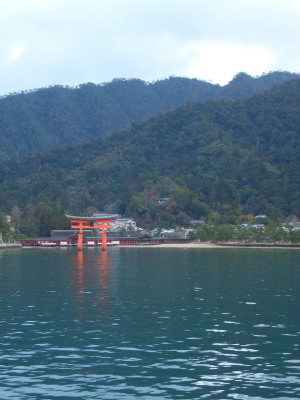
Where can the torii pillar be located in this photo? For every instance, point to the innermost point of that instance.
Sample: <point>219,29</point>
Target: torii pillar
<point>101,222</point>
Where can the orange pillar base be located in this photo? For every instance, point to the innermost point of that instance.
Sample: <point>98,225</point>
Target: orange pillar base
<point>104,240</point>
<point>80,238</point>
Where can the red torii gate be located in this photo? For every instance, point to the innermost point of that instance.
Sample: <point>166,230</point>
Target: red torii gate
<point>101,222</point>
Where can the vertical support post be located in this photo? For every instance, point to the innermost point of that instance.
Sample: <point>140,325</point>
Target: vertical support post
<point>104,240</point>
<point>80,237</point>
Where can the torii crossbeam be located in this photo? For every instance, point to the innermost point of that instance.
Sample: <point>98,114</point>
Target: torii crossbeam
<point>101,222</point>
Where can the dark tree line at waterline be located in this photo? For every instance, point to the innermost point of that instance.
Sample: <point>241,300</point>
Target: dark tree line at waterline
<point>271,233</point>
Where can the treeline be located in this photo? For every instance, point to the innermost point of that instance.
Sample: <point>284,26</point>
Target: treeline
<point>217,160</point>
<point>55,116</point>
<point>37,223</point>
<point>271,233</point>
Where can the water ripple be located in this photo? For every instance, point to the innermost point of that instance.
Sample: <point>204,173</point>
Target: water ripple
<point>149,325</point>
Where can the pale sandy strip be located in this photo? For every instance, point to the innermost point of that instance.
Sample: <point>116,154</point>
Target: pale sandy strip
<point>180,246</point>
<point>208,246</point>
<point>184,245</point>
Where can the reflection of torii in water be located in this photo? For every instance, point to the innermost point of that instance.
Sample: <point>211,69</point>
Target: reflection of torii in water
<point>101,222</point>
<point>91,284</point>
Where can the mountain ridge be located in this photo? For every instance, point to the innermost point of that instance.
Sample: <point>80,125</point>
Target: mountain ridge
<point>53,117</point>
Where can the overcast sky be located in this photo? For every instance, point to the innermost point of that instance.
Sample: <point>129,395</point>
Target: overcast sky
<point>68,42</point>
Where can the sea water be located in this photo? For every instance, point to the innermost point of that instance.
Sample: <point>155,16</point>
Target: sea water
<point>149,323</point>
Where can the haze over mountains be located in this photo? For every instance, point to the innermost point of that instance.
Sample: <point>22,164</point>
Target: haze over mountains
<point>55,116</point>
<point>217,160</point>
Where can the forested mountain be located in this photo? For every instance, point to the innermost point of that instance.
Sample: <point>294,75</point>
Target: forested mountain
<point>55,116</point>
<point>217,160</point>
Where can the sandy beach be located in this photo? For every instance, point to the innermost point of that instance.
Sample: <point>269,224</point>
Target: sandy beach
<point>184,245</point>
<point>191,245</point>
<point>216,246</point>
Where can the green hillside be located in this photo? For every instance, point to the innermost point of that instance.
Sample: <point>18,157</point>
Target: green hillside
<point>53,117</point>
<point>217,160</point>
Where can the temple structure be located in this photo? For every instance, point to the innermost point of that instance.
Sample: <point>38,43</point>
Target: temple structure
<point>101,222</point>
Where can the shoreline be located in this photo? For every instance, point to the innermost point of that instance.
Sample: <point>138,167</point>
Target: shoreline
<point>216,246</point>
<point>7,246</point>
<point>191,245</point>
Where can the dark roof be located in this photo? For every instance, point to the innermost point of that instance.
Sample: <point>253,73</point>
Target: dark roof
<point>99,218</point>
<point>69,233</point>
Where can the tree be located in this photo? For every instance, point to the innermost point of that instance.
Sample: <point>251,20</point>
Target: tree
<point>295,236</point>
<point>45,221</point>
<point>4,228</point>
<point>15,215</point>
<point>224,233</point>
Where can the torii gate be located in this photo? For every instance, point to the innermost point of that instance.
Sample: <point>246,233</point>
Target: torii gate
<point>101,222</point>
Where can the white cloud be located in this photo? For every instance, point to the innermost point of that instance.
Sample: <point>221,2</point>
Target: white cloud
<point>74,41</point>
<point>15,53</point>
<point>219,62</point>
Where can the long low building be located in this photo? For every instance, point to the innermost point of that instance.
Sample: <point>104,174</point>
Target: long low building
<point>71,237</point>
<point>64,238</point>
<point>89,241</point>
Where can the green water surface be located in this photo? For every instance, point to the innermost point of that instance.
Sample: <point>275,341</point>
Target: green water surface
<point>149,323</point>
